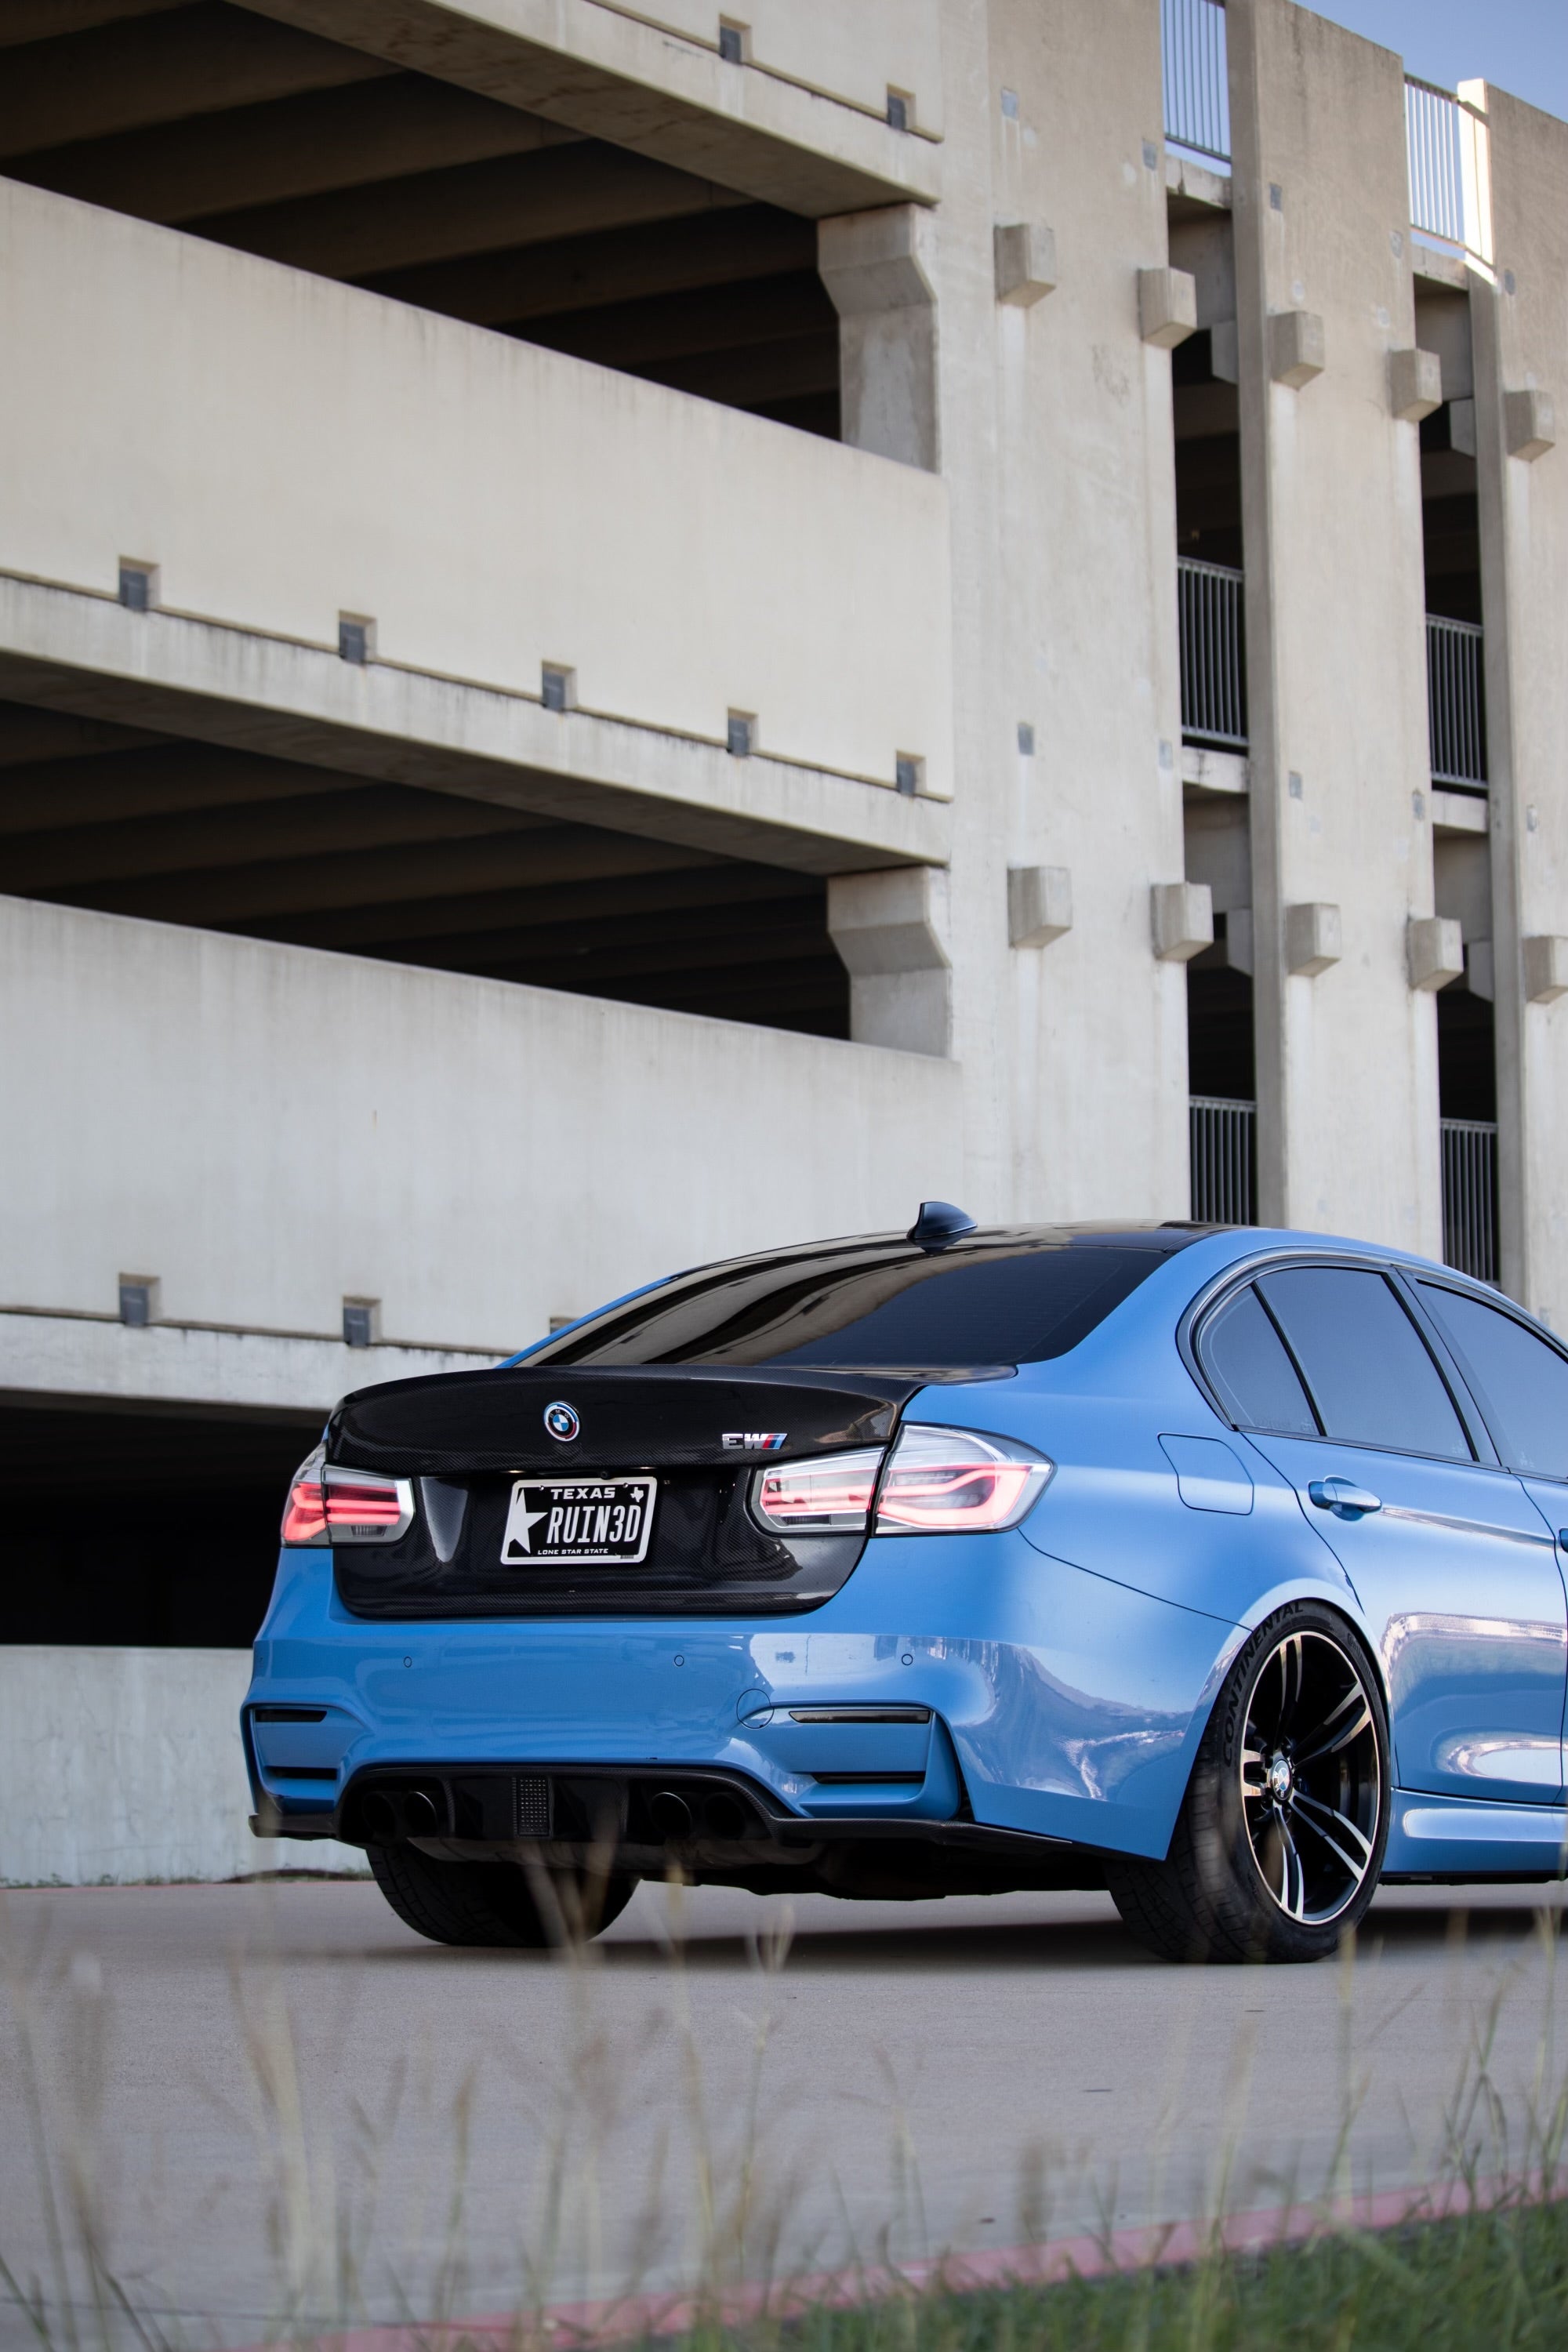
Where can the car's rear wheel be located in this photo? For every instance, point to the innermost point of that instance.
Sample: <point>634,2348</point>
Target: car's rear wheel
<point>496,1903</point>
<point>1280,1841</point>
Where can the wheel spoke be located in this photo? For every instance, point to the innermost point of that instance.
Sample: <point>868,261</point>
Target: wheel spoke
<point>1329,1739</point>
<point>1308,1808</point>
<point>1254,1765</point>
<point>1293,1891</point>
<point>1291,1675</point>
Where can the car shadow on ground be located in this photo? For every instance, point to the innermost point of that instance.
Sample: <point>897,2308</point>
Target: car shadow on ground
<point>973,1948</point>
<point>936,1949</point>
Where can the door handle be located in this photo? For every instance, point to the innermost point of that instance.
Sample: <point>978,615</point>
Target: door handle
<point>1344,1497</point>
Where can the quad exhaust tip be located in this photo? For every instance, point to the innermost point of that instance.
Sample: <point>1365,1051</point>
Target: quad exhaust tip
<point>723,1815</point>
<point>410,1812</point>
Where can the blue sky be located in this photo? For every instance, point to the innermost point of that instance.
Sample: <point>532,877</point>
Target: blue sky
<point>1520,45</point>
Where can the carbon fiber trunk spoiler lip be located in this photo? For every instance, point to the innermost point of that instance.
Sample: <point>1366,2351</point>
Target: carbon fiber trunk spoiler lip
<point>622,1417</point>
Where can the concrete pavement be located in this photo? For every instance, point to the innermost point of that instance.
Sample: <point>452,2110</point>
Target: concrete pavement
<point>264,2100</point>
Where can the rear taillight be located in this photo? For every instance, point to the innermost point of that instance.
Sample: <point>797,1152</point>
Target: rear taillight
<point>331,1506</point>
<point>952,1482</point>
<point>935,1482</point>
<point>829,1495</point>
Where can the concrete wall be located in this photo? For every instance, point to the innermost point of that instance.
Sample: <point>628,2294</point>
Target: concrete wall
<point>285,449</point>
<point>267,1130</point>
<point>1057,441</point>
<point>1519,325</point>
<point>121,1765</point>
<point>1347,1065</point>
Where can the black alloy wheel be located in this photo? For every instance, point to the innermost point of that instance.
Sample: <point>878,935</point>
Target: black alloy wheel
<point>499,1904</point>
<point>1279,1844</point>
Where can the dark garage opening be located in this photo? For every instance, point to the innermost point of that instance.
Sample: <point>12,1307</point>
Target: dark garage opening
<point>95,815</point>
<point>233,126</point>
<point>143,1529</point>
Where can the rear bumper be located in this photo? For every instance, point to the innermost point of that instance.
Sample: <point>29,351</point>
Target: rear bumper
<point>964,1690</point>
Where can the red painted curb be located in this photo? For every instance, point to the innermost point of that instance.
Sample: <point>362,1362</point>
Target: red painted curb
<point>621,2319</point>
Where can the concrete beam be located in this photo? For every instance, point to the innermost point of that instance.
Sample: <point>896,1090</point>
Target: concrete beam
<point>1298,349</point>
<point>1183,919</point>
<point>615,265</point>
<point>1314,938</point>
<point>1024,257</point>
<point>1040,905</point>
<point>1545,969</point>
<point>890,933</point>
<point>112,786</point>
<point>605,73</point>
<point>322,141</point>
<point>1435,952</point>
<point>511,201</point>
<point>44,20</point>
<point>1480,970</point>
<point>1457,812</point>
<point>1207,770</point>
<point>352,822</point>
<point>182,1363</point>
<point>88,657</point>
<point>1415,384</point>
<point>879,268</point>
<point>505,851</point>
<point>1531,425</point>
<point>461,928</point>
<point>161,68</point>
<point>1193,183</point>
<point>1167,306</point>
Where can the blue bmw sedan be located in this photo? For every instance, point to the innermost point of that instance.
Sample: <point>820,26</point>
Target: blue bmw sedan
<point>1219,1569</point>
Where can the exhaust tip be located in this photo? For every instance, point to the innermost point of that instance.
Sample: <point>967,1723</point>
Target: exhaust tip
<point>378,1818</point>
<point>420,1818</point>
<point>726,1815</point>
<point>671,1814</point>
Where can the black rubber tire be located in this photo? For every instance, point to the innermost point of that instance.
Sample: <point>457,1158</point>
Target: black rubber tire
<point>1208,1900</point>
<point>493,1903</point>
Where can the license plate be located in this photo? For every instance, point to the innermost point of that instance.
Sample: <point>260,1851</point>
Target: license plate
<point>578,1518</point>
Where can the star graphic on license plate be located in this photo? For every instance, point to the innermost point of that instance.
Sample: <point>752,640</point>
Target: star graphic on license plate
<point>521,1531</point>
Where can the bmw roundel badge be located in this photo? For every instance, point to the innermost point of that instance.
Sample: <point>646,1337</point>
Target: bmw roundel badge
<point>562,1422</point>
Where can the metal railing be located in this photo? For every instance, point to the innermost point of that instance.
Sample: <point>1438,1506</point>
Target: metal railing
<point>1444,139</point>
<point>1220,1145</point>
<point>1214,670</point>
<point>1470,1196</point>
<point>1455,703</point>
<point>1197,93</point>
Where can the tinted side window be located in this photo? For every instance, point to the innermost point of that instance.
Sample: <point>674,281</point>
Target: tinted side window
<point>1524,1383</point>
<point>1370,1371</point>
<point>1243,1355</point>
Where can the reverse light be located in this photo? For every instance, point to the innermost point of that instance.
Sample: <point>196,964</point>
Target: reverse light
<point>331,1506</point>
<point>952,1481</point>
<point>829,1495</point>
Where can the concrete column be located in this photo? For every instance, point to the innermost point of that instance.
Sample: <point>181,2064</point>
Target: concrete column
<point>1056,450</point>
<point>879,269</point>
<point>1519,337</point>
<point>1346,1049</point>
<point>889,929</point>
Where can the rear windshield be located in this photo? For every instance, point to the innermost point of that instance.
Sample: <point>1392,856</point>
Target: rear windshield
<point>870,1304</point>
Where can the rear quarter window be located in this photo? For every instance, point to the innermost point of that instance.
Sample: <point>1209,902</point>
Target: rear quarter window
<point>1521,1383</point>
<point>1253,1375</point>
